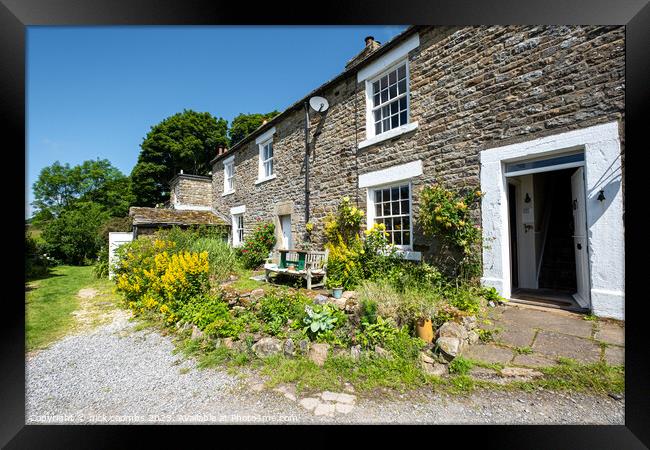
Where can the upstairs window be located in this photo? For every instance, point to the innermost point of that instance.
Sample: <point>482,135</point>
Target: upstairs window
<point>229,176</point>
<point>266,155</point>
<point>389,99</point>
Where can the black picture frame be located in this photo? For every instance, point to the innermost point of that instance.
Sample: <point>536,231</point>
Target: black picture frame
<point>16,15</point>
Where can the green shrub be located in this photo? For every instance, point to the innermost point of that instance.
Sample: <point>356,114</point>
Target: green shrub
<point>275,310</point>
<point>321,318</point>
<point>258,245</point>
<point>368,310</point>
<point>37,263</point>
<point>222,257</point>
<point>380,332</point>
<point>460,366</point>
<point>403,307</point>
<point>211,314</point>
<point>100,270</point>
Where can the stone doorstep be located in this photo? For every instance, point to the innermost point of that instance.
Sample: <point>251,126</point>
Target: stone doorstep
<point>610,333</point>
<point>561,322</point>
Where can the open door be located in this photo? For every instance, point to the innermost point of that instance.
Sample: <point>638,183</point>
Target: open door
<point>580,238</point>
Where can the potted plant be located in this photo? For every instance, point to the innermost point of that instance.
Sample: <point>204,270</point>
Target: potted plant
<point>336,284</point>
<point>421,310</point>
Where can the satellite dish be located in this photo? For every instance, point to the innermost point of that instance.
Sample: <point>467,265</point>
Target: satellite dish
<point>319,104</point>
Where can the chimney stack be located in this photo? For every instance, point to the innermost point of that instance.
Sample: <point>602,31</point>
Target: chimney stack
<point>369,40</point>
<point>221,150</point>
<point>371,47</point>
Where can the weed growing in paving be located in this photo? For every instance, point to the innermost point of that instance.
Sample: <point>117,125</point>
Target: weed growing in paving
<point>523,350</point>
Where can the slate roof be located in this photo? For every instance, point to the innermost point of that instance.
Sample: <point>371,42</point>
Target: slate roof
<point>165,216</point>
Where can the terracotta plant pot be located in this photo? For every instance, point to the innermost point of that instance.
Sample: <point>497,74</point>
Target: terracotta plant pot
<point>424,329</point>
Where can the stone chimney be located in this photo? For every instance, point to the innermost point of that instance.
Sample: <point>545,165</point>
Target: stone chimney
<point>221,149</point>
<point>371,47</point>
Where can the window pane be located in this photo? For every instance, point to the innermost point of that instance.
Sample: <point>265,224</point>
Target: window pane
<point>375,100</point>
<point>402,118</point>
<point>401,72</point>
<point>386,209</point>
<point>407,238</point>
<point>392,77</point>
<point>393,91</point>
<point>378,209</point>
<point>404,191</point>
<point>384,96</point>
<point>377,196</point>
<point>385,111</point>
<point>393,108</point>
<point>394,121</point>
<point>397,239</point>
<point>405,207</point>
<point>406,223</point>
<point>402,103</point>
<point>375,87</point>
<point>401,86</point>
<point>377,115</point>
<point>397,222</point>
<point>270,150</point>
<point>386,195</point>
<point>394,195</point>
<point>389,224</point>
<point>386,124</point>
<point>384,81</point>
<point>378,128</point>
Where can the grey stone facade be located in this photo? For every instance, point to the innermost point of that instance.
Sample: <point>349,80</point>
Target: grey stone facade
<point>471,89</point>
<point>191,192</point>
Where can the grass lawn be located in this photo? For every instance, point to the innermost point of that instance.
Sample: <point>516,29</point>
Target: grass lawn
<point>50,301</point>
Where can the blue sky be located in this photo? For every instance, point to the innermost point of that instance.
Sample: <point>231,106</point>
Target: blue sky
<point>94,92</point>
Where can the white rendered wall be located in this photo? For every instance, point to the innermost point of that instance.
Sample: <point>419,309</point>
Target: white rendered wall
<point>606,239</point>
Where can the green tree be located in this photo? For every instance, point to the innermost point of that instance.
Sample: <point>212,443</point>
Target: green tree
<point>184,141</point>
<point>73,236</point>
<point>245,124</point>
<point>59,185</point>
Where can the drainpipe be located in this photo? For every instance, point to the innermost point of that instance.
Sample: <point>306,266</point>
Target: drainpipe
<point>306,162</point>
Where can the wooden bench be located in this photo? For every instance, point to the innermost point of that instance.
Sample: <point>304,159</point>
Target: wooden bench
<point>306,264</point>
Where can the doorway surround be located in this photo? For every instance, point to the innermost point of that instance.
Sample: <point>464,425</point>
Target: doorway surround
<point>605,229</point>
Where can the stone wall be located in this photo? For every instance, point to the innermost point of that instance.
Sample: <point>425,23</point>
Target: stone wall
<point>191,191</point>
<point>471,89</point>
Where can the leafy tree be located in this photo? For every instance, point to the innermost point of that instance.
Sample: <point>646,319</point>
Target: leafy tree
<point>184,141</point>
<point>245,124</point>
<point>59,185</point>
<point>73,236</point>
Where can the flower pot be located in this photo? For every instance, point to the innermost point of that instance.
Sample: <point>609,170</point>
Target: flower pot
<point>337,292</point>
<point>424,329</point>
<point>291,267</point>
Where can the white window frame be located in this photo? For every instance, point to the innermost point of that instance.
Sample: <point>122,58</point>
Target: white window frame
<point>262,141</point>
<point>370,118</point>
<point>229,188</point>
<point>372,216</point>
<point>384,64</point>
<point>236,214</point>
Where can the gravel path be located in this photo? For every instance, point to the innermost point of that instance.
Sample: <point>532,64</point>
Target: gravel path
<point>114,374</point>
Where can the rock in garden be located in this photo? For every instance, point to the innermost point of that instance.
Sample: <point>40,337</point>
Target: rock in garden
<point>289,348</point>
<point>318,353</point>
<point>450,346</point>
<point>340,352</point>
<point>240,346</point>
<point>349,295</point>
<point>469,322</point>
<point>267,346</point>
<point>320,299</point>
<point>227,342</point>
<point>426,358</point>
<point>436,369</point>
<point>491,304</point>
<point>472,337</point>
<point>382,352</point>
<point>257,294</point>
<point>520,372</point>
<point>452,329</point>
<point>338,302</point>
<point>303,346</point>
<point>196,332</point>
<point>355,352</point>
<point>351,305</point>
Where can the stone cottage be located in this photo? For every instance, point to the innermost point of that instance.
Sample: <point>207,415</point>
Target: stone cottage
<point>533,116</point>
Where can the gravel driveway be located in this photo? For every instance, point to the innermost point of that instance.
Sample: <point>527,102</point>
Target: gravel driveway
<point>115,374</point>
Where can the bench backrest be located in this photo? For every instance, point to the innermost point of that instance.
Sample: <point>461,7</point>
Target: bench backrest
<point>316,260</point>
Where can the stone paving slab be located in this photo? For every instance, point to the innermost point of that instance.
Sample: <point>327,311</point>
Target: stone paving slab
<point>611,333</point>
<point>516,337</point>
<point>488,353</point>
<point>528,318</point>
<point>556,345</point>
<point>533,360</point>
<point>615,356</point>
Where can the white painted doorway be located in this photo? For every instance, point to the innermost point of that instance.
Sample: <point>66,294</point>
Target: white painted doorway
<point>285,224</point>
<point>580,237</point>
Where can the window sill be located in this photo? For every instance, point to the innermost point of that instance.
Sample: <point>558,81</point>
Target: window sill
<point>410,255</point>
<point>395,132</point>
<point>227,193</point>
<point>262,180</point>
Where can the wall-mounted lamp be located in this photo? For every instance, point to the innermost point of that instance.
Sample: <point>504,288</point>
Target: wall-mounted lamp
<point>601,196</point>
<point>527,199</point>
